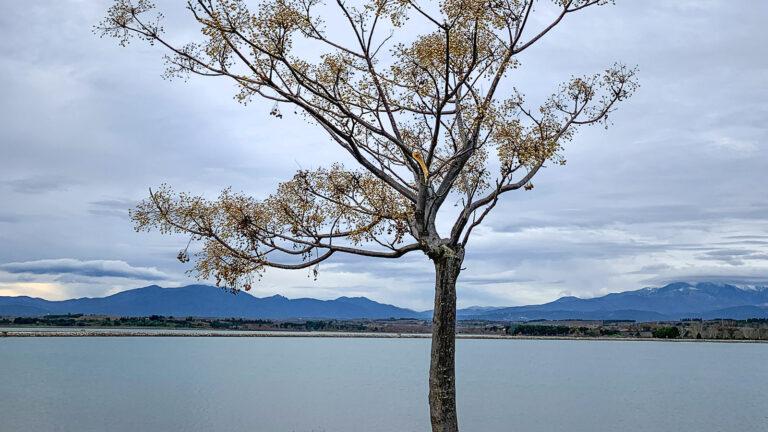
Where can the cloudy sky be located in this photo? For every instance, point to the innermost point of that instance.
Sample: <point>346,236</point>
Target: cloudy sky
<point>674,190</point>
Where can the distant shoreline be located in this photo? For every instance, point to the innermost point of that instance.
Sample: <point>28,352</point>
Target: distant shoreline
<point>53,332</point>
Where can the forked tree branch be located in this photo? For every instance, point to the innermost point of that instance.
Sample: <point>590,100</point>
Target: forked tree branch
<point>425,122</point>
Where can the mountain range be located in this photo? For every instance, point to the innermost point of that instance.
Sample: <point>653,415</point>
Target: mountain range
<point>203,301</point>
<point>670,302</point>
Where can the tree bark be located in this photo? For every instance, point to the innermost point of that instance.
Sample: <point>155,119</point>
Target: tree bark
<point>442,371</point>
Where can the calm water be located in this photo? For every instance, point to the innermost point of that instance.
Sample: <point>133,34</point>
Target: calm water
<point>372,385</point>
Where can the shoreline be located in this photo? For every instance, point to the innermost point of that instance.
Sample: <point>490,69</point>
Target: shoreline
<point>58,332</point>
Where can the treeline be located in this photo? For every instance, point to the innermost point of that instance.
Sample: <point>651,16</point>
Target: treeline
<point>160,321</point>
<point>667,333</point>
<point>48,320</point>
<point>80,320</point>
<point>751,329</point>
<point>559,330</point>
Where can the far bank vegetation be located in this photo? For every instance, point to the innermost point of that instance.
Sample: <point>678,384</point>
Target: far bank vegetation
<point>694,329</point>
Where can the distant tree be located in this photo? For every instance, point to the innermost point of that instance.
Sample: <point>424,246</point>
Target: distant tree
<point>413,94</point>
<point>666,332</point>
<point>540,330</point>
<point>609,332</point>
<point>217,324</point>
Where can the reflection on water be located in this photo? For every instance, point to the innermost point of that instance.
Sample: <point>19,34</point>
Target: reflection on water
<point>352,385</point>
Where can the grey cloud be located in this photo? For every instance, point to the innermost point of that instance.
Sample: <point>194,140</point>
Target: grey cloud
<point>734,256</point>
<point>678,175</point>
<point>9,218</point>
<point>728,278</point>
<point>112,207</point>
<point>748,237</point>
<point>652,269</point>
<point>94,268</point>
<point>743,242</point>
<point>554,250</point>
<point>730,252</point>
<point>38,184</point>
<point>495,279</point>
<point>623,212</point>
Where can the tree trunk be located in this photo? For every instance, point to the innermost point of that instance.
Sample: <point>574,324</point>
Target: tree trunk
<point>442,371</point>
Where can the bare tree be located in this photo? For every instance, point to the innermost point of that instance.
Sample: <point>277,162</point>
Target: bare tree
<point>411,92</point>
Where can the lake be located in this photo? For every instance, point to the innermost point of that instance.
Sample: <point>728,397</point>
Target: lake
<point>376,385</point>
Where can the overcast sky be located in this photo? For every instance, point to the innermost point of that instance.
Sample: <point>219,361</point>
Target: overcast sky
<point>674,190</point>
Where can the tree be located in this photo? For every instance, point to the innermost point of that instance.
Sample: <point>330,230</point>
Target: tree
<point>416,94</point>
<point>666,332</point>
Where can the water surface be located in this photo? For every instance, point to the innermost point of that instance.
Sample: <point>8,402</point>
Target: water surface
<point>353,385</point>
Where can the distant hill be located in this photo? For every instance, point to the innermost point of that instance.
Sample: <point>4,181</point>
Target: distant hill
<point>21,310</point>
<point>204,301</point>
<point>671,302</point>
<point>737,312</point>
